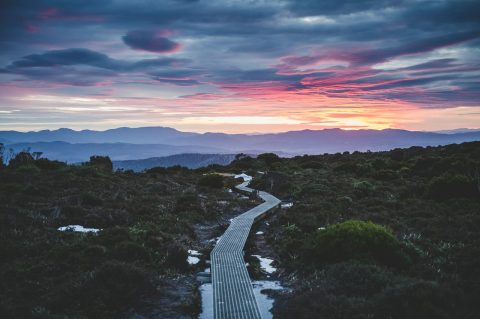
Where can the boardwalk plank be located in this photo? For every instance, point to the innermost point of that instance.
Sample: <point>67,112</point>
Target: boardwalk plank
<point>233,296</point>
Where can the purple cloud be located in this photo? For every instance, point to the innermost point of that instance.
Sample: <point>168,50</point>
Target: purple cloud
<point>150,41</point>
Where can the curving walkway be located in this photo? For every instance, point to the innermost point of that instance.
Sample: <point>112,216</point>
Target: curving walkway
<point>232,289</point>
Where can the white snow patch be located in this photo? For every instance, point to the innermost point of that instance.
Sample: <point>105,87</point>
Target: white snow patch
<point>266,264</point>
<point>78,228</point>
<point>192,252</point>
<point>192,260</point>
<point>193,255</point>
<point>286,205</point>
<point>246,178</point>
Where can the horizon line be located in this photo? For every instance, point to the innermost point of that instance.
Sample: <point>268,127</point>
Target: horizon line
<point>441,131</point>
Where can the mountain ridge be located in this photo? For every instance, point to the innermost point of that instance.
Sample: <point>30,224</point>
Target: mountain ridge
<point>165,141</point>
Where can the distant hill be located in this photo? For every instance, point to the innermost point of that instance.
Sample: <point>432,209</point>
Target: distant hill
<point>293,142</point>
<point>142,135</point>
<point>187,160</point>
<point>74,153</point>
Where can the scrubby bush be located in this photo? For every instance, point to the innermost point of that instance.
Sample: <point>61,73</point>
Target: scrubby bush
<point>130,252</point>
<point>114,235</point>
<point>354,239</point>
<point>176,256</point>
<point>116,285</point>
<point>21,159</point>
<point>385,174</point>
<point>419,300</point>
<point>211,180</point>
<point>312,164</point>
<point>103,163</point>
<point>89,199</point>
<point>157,171</point>
<point>363,188</point>
<point>269,158</point>
<point>44,163</point>
<point>451,186</point>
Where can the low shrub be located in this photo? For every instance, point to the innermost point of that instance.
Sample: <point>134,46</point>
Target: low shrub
<point>354,239</point>
<point>211,180</point>
<point>116,285</point>
<point>131,252</point>
<point>451,186</point>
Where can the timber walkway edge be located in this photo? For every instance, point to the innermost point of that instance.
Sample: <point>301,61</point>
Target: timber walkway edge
<point>233,296</point>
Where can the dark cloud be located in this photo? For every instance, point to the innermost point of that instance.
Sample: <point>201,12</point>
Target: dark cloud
<point>87,65</point>
<point>74,56</point>
<point>79,56</point>
<point>233,42</point>
<point>150,41</point>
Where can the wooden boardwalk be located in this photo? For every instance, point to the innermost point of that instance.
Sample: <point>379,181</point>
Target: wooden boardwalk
<point>232,289</point>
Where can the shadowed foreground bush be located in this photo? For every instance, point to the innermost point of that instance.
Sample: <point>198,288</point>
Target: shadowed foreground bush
<point>354,239</point>
<point>211,180</point>
<point>115,284</point>
<point>451,186</point>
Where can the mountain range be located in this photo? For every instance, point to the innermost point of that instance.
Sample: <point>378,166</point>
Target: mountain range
<point>139,143</point>
<point>187,160</point>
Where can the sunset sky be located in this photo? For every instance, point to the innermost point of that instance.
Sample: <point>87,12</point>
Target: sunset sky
<point>240,66</point>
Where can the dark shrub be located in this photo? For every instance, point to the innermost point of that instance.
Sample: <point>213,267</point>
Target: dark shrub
<point>363,188</point>
<point>89,199</point>
<point>211,180</point>
<point>312,164</point>
<point>451,186</point>
<point>187,203</point>
<point>44,163</point>
<point>95,251</point>
<point>157,171</point>
<point>130,251</point>
<point>348,167</point>
<point>176,256</point>
<point>354,239</point>
<point>2,151</point>
<point>73,213</point>
<point>385,174</point>
<point>269,158</point>
<point>419,300</point>
<point>114,235</point>
<point>103,163</point>
<point>116,285</point>
<point>21,159</point>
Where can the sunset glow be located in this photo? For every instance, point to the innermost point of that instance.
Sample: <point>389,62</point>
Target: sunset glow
<point>231,66</point>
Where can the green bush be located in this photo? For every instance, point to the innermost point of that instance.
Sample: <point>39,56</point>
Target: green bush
<point>354,239</point>
<point>363,188</point>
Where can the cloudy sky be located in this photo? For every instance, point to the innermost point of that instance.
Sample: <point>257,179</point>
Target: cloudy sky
<point>240,66</point>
